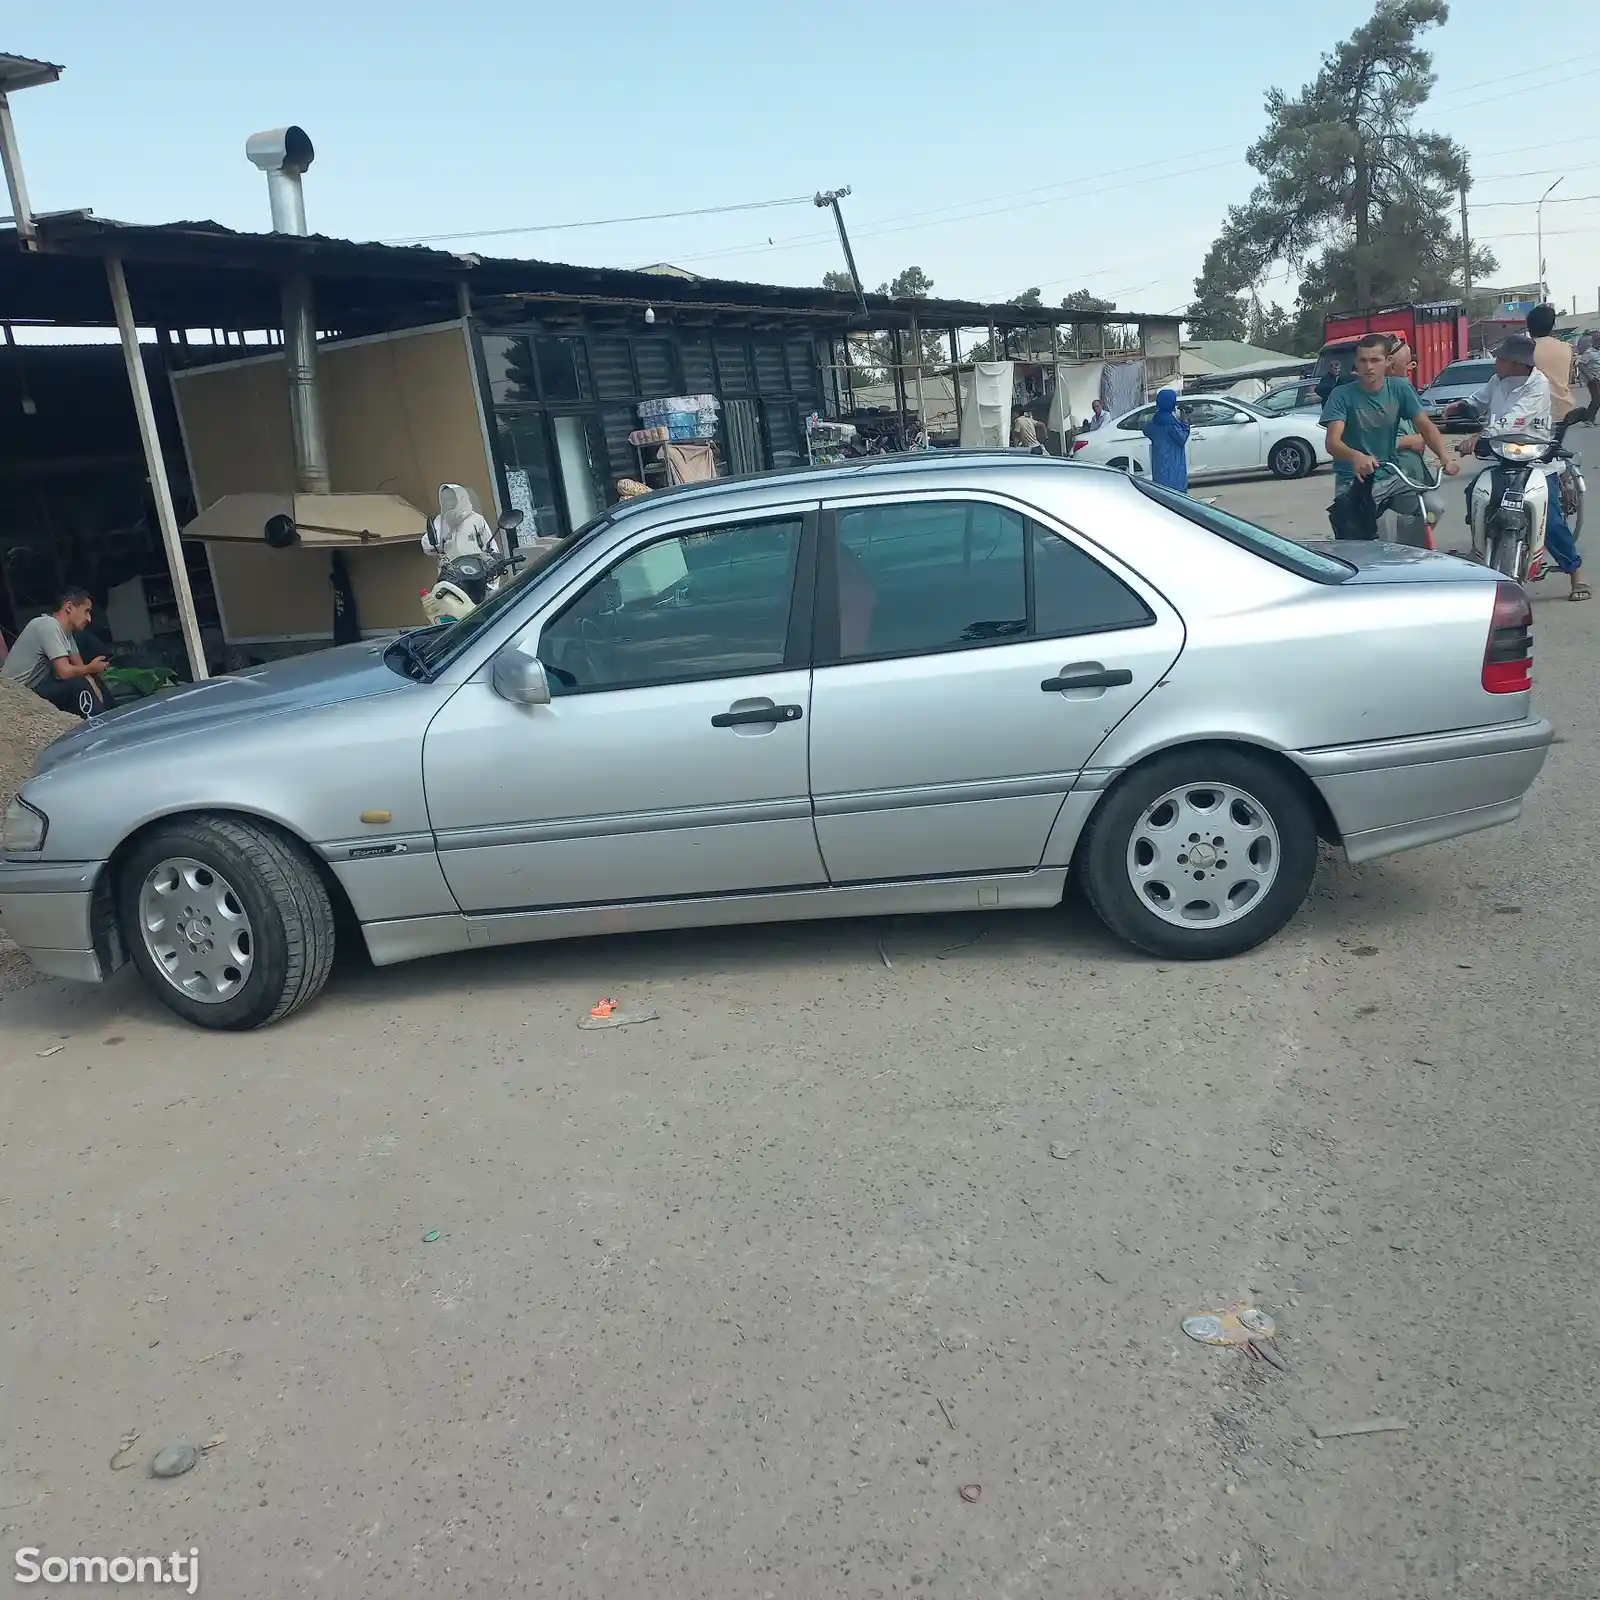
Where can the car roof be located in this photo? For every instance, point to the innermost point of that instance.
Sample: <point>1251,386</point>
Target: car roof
<point>871,471</point>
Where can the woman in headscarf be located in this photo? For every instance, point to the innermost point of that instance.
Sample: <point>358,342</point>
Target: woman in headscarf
<point>1168,434</point>
<point>460,529</point>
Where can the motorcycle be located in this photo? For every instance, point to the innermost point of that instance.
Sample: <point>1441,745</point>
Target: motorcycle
<point>1508,505</point>
<point>466,581</point>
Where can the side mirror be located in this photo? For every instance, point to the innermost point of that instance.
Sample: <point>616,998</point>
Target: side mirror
<point>511,520</point>
<point>520,678</point>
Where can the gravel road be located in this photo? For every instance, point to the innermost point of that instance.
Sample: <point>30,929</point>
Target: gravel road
<point>734,1303</point>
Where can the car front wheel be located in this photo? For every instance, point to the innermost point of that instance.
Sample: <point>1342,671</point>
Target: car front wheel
<point>1200,854</point>
<point>1293,458</point>
<point>227,920</point>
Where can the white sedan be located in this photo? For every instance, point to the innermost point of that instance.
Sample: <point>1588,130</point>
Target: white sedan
<point>1225,437</point>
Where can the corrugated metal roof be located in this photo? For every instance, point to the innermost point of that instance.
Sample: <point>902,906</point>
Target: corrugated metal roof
<point>23,72</point>
<point>1223,355</point>
<point>200,274</point>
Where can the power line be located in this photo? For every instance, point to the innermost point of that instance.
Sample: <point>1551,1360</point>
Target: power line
<point>1489,99</point>
<point>600,222</point>
<point>1554,200</point>
<point>937,216</point>
<point>1525,72</point>
<point>1538,172</point>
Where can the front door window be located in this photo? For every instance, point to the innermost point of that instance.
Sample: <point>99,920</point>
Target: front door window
<point>711,604</point>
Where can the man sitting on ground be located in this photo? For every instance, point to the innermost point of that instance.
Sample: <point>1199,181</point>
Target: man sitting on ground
<point>46,660</point>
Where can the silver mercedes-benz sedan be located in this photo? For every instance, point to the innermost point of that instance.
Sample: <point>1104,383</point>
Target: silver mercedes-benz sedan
<point>931,683</point>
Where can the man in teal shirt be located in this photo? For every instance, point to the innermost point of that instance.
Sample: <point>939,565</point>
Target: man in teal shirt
<point>1363,420</point>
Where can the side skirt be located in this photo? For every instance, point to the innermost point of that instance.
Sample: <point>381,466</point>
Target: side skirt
<point>407,938</point>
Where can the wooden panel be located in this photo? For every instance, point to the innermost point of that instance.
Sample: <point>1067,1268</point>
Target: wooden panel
<point>401,417</point>
<point>400,414</point>
<point>272,594</point>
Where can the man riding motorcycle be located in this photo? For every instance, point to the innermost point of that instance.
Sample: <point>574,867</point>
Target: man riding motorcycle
<point>1518,397</point>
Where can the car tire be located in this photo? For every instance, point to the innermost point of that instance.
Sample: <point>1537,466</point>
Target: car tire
<point>1262,810</point>
<point>1291,458</point>
<point>224,881</point>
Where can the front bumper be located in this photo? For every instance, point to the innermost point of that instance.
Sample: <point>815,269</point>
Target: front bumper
<point>1396,794</point>
<point>49,910</point>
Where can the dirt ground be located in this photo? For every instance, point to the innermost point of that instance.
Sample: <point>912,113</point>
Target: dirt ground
<point>734,1303</point>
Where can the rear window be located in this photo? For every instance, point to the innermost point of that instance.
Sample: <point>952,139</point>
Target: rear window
<point>1273,547</point>
<point>1460,372</point>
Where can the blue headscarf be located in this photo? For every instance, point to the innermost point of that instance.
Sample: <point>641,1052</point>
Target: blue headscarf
<point>1168,434</point>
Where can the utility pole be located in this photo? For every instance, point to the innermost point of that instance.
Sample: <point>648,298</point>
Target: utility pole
<point>832,197</point>
<point>1539,228</point>
<point>1466,254</point>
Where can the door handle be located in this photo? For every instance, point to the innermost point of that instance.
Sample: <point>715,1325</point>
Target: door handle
<point>740,719</point>
<point>1087,678</point>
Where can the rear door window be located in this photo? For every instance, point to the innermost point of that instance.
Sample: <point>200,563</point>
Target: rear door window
<point>920,578</point>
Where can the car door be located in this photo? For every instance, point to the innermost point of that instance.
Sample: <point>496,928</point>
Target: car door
<point>671,759</point>
<point>1132,446</point>
<point>1222,438</point>
<point>969,661</point>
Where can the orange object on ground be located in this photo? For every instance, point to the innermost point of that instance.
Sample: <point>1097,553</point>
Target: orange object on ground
<point>603,1009</point>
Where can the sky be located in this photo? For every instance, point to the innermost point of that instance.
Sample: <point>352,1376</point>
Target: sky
<point>1075,146</point>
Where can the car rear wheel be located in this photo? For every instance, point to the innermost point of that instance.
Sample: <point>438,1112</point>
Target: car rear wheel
<point>1291,458</point>
<point>1200,854</point>
<point>227,920</point>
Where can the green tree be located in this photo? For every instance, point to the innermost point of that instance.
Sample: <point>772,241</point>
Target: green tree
<point>1353,195</point>
<point>1272,327</point>
<point>1220,308</point>
<point>873,357</point>
<point>1036,342</point>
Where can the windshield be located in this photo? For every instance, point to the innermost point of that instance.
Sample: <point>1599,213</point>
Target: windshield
<point>1460,374</point>
<point>1249,536</point>
<point>437,647</point>
<point>1280,399</point>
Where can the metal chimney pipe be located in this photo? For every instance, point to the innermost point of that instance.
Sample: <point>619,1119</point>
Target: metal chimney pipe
<point>284,154</point>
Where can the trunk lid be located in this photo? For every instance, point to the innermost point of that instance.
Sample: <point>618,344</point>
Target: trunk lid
<point>1376,562</point>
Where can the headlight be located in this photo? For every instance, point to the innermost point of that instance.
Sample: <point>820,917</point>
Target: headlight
<point>1516,450</point>
<point>23,830</point>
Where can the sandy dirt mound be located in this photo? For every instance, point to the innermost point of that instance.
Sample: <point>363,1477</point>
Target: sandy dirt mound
<point>27,725</point>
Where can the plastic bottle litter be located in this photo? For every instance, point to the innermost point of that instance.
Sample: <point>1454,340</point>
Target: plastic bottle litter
<point>1237,1324</point>
<point>173,1461</point>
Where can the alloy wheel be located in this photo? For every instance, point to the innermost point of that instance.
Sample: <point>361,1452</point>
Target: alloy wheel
<point>1203,855</point>
<point>196,929</point>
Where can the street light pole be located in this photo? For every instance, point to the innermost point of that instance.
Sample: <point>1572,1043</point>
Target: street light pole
<point>1539,229</point>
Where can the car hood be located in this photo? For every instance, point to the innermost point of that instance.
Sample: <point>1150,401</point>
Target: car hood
<point>1376,562</point>
<point>1442,394</point>
<point>325,677</point>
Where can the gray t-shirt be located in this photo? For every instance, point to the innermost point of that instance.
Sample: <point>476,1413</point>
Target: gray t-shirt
<point>43,641</point>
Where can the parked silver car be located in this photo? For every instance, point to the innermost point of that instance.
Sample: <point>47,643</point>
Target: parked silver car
<point>930,683</point>
<point>1459,381</point>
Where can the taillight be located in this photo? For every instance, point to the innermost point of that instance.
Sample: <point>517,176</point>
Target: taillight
<point>1508,656</point>
<point>1078,444</point>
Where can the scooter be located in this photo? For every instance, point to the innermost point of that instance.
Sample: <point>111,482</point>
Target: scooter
<point>466,581</point>
<point>1508,506</point>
